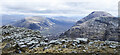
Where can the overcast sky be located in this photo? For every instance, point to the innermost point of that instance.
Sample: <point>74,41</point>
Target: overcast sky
<point>58,7</point>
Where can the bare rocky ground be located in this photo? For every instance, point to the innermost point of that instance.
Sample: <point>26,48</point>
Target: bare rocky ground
<point>17,40</point>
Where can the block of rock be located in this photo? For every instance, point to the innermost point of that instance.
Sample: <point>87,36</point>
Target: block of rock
<point>76,41</point>
<point>43,43</point>
<point>53,42</point>
<point>23,46</point>
<point>39,36</point>
<point>79,46</point>
<point>111,46</point>
<point>73,44</point>
<point>21,43</point>
<point>82,40</point>
<point>30,43</point>
<point>46,40</point>
<point>63,41</point>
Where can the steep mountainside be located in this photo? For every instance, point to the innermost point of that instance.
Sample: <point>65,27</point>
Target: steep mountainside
<point>98,25</point>
<point>45,25</point>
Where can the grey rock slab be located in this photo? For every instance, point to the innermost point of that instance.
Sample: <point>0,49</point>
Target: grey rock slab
<point>23,46</point>
<point>21,43</point>
<point>53,41</point>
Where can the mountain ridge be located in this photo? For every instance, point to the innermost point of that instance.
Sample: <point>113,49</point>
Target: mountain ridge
<point>44,24</point>
<point>98,28</point>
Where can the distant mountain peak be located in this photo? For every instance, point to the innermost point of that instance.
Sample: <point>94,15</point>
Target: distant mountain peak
<point>100,13</point>
<point>93,15</point>
<point>35,23</point>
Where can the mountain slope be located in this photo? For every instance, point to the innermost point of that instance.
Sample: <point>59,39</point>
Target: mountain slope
<point>102,27</point>
<point>35,23</point>
<point>44,24</point>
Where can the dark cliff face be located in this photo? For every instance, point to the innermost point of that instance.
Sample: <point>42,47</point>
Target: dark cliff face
<point>98,28</point>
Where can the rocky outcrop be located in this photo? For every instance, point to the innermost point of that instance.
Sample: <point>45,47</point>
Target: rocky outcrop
<point>96,26</point>
<point>20,38</point>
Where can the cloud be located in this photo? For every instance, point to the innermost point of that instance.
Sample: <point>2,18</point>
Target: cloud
<point>58,7</point>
